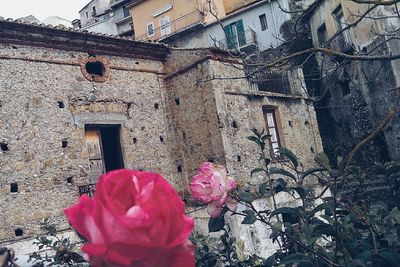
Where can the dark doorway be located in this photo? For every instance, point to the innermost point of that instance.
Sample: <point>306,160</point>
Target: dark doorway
<point>104,148</point>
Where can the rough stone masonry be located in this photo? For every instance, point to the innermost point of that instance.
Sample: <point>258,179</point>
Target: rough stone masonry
<point>74,105</point>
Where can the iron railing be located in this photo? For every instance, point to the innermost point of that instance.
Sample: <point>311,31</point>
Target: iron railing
<point>270,81</point>
<point>87,189</point>
<point>239,41</point>
<point>174,26</point>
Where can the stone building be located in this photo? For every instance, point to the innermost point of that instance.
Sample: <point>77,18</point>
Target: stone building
<point>74,105</point>
<point>357,94</point>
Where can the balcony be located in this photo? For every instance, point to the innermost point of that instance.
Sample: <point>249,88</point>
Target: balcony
<point>243,41</point>
<point>88,189</point>
<point>190,21</point>
<point>121,15</point>
<point>270,81</point>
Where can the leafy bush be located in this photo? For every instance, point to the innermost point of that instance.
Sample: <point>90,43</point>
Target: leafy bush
<point>352,220</point>
<point>54,250</point>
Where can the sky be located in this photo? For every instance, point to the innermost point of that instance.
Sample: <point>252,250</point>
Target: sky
<point>41,9</point>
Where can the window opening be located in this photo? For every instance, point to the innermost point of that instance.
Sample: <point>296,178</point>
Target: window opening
<point>341,23</point>
<point>150,29</point>
<point>64,143</point>
<point>14,188</point>
<point>165,27</point>
<point>104,148</point>
<point>95,68</point>
<point>70,179</point>
<point>179,168</point>
<point>126,11</point>
<point>345,84</point>
<point>272,129</point>
<point>4,146</point>
<point>263,22</point>
<point>235,34</point>
<point>19,232</point>
<point>322,35</point>
<point>61,104</point>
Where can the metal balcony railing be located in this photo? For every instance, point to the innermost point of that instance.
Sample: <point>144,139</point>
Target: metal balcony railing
<point>238,41</point>
<point>87,189</point>
<point>270,81</point>
<point>174,26</point>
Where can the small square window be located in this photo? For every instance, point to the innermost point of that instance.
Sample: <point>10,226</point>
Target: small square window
<point>263,22</point>
<point>150,29</point>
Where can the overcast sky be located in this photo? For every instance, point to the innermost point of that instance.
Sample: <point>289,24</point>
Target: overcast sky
<point>41,9</point>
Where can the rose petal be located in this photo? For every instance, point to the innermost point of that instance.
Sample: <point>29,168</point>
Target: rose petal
<point>214,209</point>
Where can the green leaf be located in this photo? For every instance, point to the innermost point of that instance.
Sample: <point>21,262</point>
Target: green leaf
<point>254,139</point>
<point>290,155</point>
<point>318,208</point>
<point>270,261</point>
<point>323,160</point>
<point>391,257</point>
<point>323,229</point>
<point>256,170</point>
<point>296,258</point>
<point>311,171</point>
<point>246,196</point>
<point>216,224</point>
<point>250,217</point>
<point>280,186</point>
<point>264,188</point>
<point>274,170</point>
<point>284,210</point>
<point>300,191</point>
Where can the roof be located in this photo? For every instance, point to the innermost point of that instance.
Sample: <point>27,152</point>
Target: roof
<point>86,6</point>
<point>63,38</point>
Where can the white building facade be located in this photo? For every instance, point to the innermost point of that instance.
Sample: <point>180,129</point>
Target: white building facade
<point>255,26</point>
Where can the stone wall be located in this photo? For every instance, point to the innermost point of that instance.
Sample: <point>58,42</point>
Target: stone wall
<point>171,112</point>
<point>34,127</point>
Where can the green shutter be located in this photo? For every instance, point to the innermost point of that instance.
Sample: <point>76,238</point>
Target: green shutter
<point>240,32</point>
<point>229,36</point>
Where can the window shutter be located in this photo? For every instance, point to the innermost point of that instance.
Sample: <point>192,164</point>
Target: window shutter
<point>229,36</point>
<point>241,33</point>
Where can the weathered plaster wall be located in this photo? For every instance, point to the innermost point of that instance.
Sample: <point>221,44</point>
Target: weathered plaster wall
<point>359,96</point>
<point>240,110</point>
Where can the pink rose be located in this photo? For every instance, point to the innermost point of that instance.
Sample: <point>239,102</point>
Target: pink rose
<point>211,185</point>
<point>135,219</point>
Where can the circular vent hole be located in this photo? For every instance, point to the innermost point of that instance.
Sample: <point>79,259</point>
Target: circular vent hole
<point>95,68</point>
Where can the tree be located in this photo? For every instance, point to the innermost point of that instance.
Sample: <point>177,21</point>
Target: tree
<point>350,62</point>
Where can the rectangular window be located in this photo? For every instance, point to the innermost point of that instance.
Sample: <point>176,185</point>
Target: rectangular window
<point>263,22</point>
<point>322,35</point>
<point>150,29</point>
<point>165,27</point>
<point>126,11</point>
<point>341,23</point>
<point>104,149</point>
<point>272,126</point>
<point>235,34</point>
